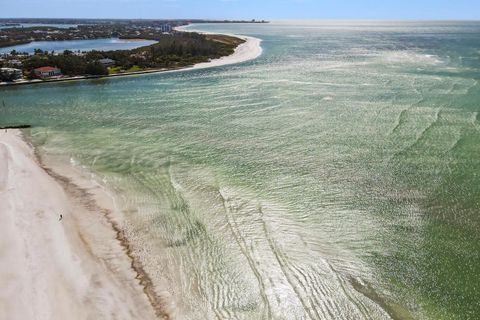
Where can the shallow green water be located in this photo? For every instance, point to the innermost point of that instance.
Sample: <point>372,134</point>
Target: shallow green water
<point>335,177</point>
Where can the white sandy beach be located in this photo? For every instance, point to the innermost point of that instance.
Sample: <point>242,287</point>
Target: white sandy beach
<point>249,50</point>
<point>79,267</point>
<point>50,269</point>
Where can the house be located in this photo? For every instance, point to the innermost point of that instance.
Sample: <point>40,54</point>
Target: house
<point>10,74</point>
<point>140,56</point>
<point>14,63</point>
<point>107,62</point>
<point>47,72</point>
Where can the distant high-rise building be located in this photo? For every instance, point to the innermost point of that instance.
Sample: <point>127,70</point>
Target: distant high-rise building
<point>166,28</point>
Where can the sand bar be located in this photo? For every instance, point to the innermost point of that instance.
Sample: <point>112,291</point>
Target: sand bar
<point>249,50</point>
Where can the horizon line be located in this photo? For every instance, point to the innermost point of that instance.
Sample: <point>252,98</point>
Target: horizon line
<point>257,19</point>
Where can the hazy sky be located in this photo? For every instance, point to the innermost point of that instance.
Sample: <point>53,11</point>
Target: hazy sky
<point>248,9</point>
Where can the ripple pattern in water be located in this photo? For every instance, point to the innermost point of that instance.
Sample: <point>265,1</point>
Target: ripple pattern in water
<point>335,177</point>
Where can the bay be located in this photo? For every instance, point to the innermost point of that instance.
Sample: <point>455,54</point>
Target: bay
<point>334,177</point>
<point>105,44</point>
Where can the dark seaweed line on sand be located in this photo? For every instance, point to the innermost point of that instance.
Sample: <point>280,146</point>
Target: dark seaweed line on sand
<point>86,199</point>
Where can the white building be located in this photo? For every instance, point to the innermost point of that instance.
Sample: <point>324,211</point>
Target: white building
<point>107,62</point>
<point>47,72</point>
<point>165,28</point>
<point>14,63</point>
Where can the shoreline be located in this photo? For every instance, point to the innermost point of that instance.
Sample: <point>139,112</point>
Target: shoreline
<point>249,50</point>
<point>75,267</point>
<point>83,265</point>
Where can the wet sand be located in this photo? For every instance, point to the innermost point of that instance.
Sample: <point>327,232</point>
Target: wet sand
<point>74,268</point>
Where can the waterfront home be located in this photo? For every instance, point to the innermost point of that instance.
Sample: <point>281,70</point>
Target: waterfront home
<point>10,74</point>
<point>107,62</point>
<point>47,72</point>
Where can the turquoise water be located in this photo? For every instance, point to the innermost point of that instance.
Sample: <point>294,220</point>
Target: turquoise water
<point>334,177</point>
<point>79,45</point>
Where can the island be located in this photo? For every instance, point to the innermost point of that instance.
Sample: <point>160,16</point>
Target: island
<point>170,49</point>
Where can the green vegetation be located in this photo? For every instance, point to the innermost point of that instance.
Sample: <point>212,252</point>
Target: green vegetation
<point>116,70</point>
<point>70,64</point>
<point>171,51</point>
<point>134,69</point>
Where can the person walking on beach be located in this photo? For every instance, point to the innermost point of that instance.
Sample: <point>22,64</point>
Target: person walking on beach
<point>61,217</point>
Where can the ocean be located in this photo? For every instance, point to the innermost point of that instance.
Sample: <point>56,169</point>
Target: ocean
<point>337,176</point>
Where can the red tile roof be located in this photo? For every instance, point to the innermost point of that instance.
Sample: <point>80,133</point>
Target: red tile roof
<point>46,69</point>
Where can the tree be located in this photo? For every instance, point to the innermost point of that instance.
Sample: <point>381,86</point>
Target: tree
<point>96,68</point>
<point>10,74</point>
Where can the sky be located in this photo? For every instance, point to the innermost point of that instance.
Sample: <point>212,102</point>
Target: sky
<point>244,9</point>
